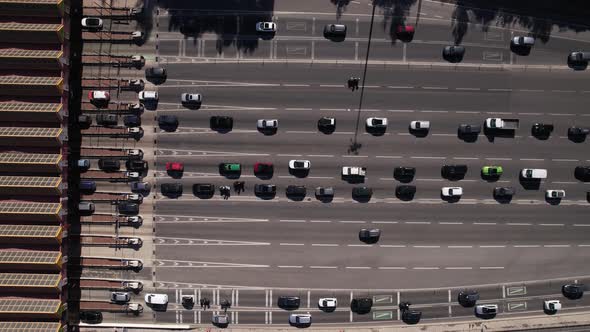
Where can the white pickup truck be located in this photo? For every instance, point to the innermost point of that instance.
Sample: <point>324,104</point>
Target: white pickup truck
<point>354,171</point>
<point>499,123</point>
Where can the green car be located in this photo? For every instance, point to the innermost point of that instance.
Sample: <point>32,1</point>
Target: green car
<point>230,168</point>
<point>492,170</point>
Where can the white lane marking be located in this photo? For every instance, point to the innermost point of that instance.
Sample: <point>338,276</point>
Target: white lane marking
<point>400,87</point>
<point>583,245</point>
<point>417,222</point>
<point>426,268</point>
<point>351,221</point>
<point>531,90</point>
<point>384,222</point>
<point>320,177</point>
<point>551,224</point>
<point>529,113</point>
<point>435,88</point>
<point>556,245</point>
<point>581,225</point>
<point>333,109</point>
<point>288,155</point>
<point>290,266</point>
<point>430,111</point>
<point>291,244</point>
<point>450,223</point>
<point>360,245</point>
<point>467,112</point>
<point>401,111</point>
<point>564,91</point>
<point>332,85</point>
<point>386,179</point>
<point>569,160</point>
<point>458,268</point>
<point>531,159</point>
<point>321,155</point>
<point>493,246</point>
<point>392,246</point>
<point>465,158</point>
<point>300,132</point>
<point>526,246</point>
<point>295,85</point>
<point>321,221</point>
<point>498,158</point>
<point>322,267</point>
<point>343,133</point>
<point>358,267</point>
<point>564,182</point>
<point>491,267</point>
<point>352,156</point>
<point>297,109</point>
<point>518,224</point>
<point>434,180</point>
<point>389,157</point>
<point>468,89</point>
<point>502,90</point>
<point>324,245</point>
<point>391,268</point>
<point>291,220</point>
<point>426,247</point>
<point>446,135</point>
<point>485,223</point>
<point>460,247</point>
<point>418,157</point>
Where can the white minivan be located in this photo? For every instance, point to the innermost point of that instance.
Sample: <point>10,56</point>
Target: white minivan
<point>156,299</point>
<point>534,173</point>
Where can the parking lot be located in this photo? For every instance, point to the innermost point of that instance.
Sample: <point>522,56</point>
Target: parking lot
<point>249,248</point>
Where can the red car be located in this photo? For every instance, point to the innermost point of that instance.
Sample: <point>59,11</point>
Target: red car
<point>174,167</point>
<point>405,33</point>
<point>263,168</point>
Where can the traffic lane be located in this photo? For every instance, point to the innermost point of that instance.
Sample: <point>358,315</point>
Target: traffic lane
<point>376,75</point>
<point>485,215</point>
<point>338,97</point>
<point>299,144</point>
<point>322,232</point>
<point>250,298</point>
<point>479,54</point>
<point>418,272</point>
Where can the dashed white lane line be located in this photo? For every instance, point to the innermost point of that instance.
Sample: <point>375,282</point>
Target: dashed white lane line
<point>331,85</point>
<point>531,159</point>
<point>292,220</point>
<point>392,246</point>
<point>565,160</point>
<point>485,223</point>
<point>556,245</point>
<point>295,85</point>
<point>581,225</point>
<point>419,157</point>
<point>391,268</point>
<point>500,90</point>
<point>527,246</point>
<point>491,267</point>
<point>359,245</point>
<point>459,268</point>
<point>351,221</point>
<point>300,132</point>
<point>389,157</point>
<point>288,155</point>
<point>426,247</point>
<point>352,156</point>
<point>298,109</point>
<point>498,158</point>
<point>465,158</point>
<point>290,266</point>
<point>450,223</point>
<point>359,267</point>
<point>431,111</point>
<point>384,222</point>
<point>460,247</point>
<point>519,224</point>
<point>418,222</point>
<point>324,245</point>
<point>426,268</point>
<point>492,246</point>
<point>468,89</point>
<point>551,224</point>
<point>531,90</point>
<point>291,244</point>
<point>320,221</point>
<point>467,112</point>
<point>435,88</point>
<point>399,87</point>
<point>321,155</point>
<point>322,267</point>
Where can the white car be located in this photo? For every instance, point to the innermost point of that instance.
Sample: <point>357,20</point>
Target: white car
<point>99,96</point>
<point>267,124</point>
<point>300,320</point>
<point>266,27</point>
<point>327,303</point>
<point>135,220</point>
<point>136,198</point>
<point>191,98</point>
<point>452,191</point>
<point>555,193</point>
<point>299,164</point>
<point>132,175</point>
<point>156,299</point>
<point>420,125</point>
<point>92,23</point>
<point>220,320</point>
<point>120,297</point>
<point>486,309</point>
<point>137,35</point>
<point>523,41</point>
<point>148,96</point>
<point>380,123</point>
<point>552,305</point>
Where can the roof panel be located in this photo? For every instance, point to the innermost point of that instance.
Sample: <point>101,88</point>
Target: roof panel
<point>29,80</point>
<point>29,26</point>
<point>29,158</point>
<point>29,132</point>
<point>30,181</point>
<point>30,107</point>
<point>29,326</point>
<point>29,280</point>
<point>20,305</point>
<point>19,207</point>
<point>29,231</point>
<point>28,257</point>
<point>30,1</point>
<point>24,53</point>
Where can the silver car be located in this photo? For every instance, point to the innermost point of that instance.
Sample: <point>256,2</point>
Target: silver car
<point>191,98</point>
<point>324,192</point>
<point>265,124</point>
<point>120,297</point>
<point>523,41</point>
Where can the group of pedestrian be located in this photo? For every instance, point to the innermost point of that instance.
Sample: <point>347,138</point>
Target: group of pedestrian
<point>353,83</point>
<point>225,191</point>
<point>205,303</point>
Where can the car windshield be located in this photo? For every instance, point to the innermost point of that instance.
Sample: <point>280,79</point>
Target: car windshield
<point>299,164</point>
<point>377,121</point>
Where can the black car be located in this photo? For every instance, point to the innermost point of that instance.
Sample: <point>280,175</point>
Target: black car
<point>453,171</point>
<point>405,192</point>
<point>573,291</point>
<point>288,302</point>
<point>582,173</point>
<point>168,122</point>
<point>156,75</point>
<point>132,121</point>
<point>171,189</point>
<point>362,192</point>
<point>453,53</point>
<point>578,132</point>
<point>469,129</point>
<point>203,189</point>
<point>107,120</point>
<point>404,173</point>
<point>128,208</point>
<point>411,316</point>
<point>136,165</point>
<point>504,192</point>
<point>84,121</point>
<point>468,298</point>
<point>327,125</point>
<point>578,60</point>
<point>361,305</point>
<point>109,165</point>
<point>265,189</point>
<point>335,32</point>
<point>542,130</point>
<point>369,235</point>
<point>298,191</point>
<point>221,122</point>
<point>91,317</point>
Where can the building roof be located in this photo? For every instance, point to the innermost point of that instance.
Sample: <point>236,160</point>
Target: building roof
<point>37,231</point>
<point>30,280</point>
<point>11,26</point>
<point>29,257</point>
<point>29,326</point>
<point>30,181</point>
<point>29,158</point>
<point>26,207</point>
<point>30,107</point>
<point>32,54</point>
<point>30,132</point>
<point>26,305</point>
<point>30,80</point>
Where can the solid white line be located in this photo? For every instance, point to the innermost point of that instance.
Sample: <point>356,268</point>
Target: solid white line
<point>391,268</point>
<point>324,245</point>
<point>291,244</point>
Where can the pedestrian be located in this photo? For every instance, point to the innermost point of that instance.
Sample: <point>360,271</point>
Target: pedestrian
<point>350,83</point>
<point>202,303</point>
<point>242,186</point>
<point>207,303</point>
<point>227,192</point>
<point>356,82</point>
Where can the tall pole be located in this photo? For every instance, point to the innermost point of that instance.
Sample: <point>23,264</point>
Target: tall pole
<point>355,144</point>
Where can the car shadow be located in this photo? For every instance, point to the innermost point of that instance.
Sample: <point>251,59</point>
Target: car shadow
<point>361,199</point>
<point>453,199</point>
<point>489,178</point>
<point>326,131</point>
<point>489,316</point>
<point>265,197</point>
<point>299,173</point>
<point>296,198</point>
<point>519,50</point>
<point>175,174</point>
<point>325,199</point>
<point>403,179</point>
<point>503,200</point>
<point>158,307</point>
<point>418,133</point>
<point>405,198</point>
<point>376,131</point>
<point>576,138</point>
<point>191,106</point>
<point>230,175</point>
<point>468,138</point>
<point>268,132</point>
<point>264,176</point>
<point>529,184</point>
<point>150,105</point>
<point>552,201</point>
<point>326,310</point>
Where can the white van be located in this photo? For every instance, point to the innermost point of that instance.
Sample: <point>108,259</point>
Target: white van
<point>156,299</point>
<point>534,173</point>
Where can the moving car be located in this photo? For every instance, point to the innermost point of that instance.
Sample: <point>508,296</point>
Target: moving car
<point>221,321</point>
<point>324,192</point>
<point>376,123</point>
<point>542,130</point>
<point>171,189</point>
<point>91,317</point>
<point>221,122</point>
<point>486,310</point>
<point>265,189</point>
<point>420,125</point>
<point>335,32</point>
<point>453,53</point>
<point>229,168</point>
<point>148,96</point>
<point>469,129</point>
<point>582,173</point>
<point>156,75</point>
<point>288,302</point>
<point>369,235</point>
<point>99,97</point>
<point>578,132</point>
<point>411,316</point>
<point>120,297</point>
<point>504,192</point>
<point>327,124</point>
<point>267,125</point>
<point>131,121</point>
<point>555,193</point>
<point>361,305</point>
<point>327,303</point>
<point>451,191</point>
<point>578,60</point>
<point>364,193</point>
<point>533,173</point>
<point>140,186</point>
<point>168,122</point>
<point>492,171</point>
<point>404,173</point>
<point>453,171</point>
<point>174,166</point>
<point>191,99</point>
<point>353,171</point>
<point>405,192</point>
<point>299,165</point>
<point>573,291</point>
<point>263,169</point>
<point>522,41</point>
<point>92,23</point>
<point>266,27</point>
<point>297,191</point>
<point>468,298</point>
<point>405,33</point>
<point>203,189</point>
<point>551,306</point>
<point>156,299</point>
<point>300,320</point>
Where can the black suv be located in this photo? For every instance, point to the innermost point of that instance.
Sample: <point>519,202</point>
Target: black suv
<point>404,174</point>
<point>136,165</point>
<point>132,121</point>
<point>107,120</point>
<point>411,316</point>
<point>453,53</point>
<point>297,191</point>
<point>504,192</point>
<point>91,317</point>
<point>109,165</point>
<point>171,189</point>
<point>542,130</point>
<point>468,298</point>
<point>369,235</point>
<point>221,123</point>
<point>573,291</point>
<point>582,173</point>
<point>168,122</point>
<point>361,305</point>
<point>362,193</point>
<point>405,192</point>
<point>128,208</point>
<point>335,32</point>
<point>453,172</point>
<point>327,125</point>
<point>288,302</point>
<point>203,190</point>
<point>156,75</point>
<point>265,190</point>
